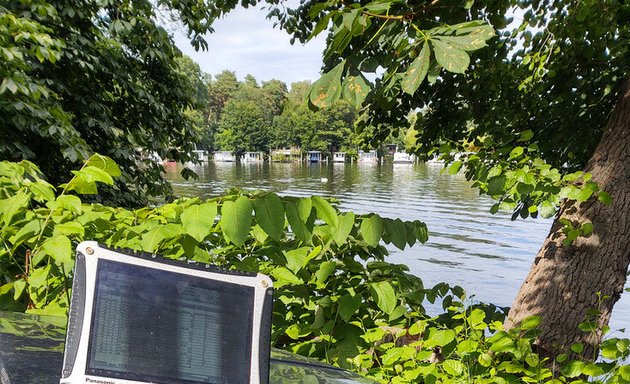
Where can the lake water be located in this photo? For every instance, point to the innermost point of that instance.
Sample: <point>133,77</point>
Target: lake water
<point>488,255</point>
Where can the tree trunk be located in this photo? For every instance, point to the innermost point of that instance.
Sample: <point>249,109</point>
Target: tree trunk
<point>565,284</point>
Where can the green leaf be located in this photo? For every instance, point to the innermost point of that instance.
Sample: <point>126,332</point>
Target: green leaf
<point>453,367</point>
<point>464,42</point>
<point>372,230</point>
<point>298,227</point>
<point>284,276</point>
<point>397,232</point>
<point>9,207</point>
<point>530,322</point>
<point>270,215</point>
<point>152,240</point>
<point>296,259</point>
<point>198,219</point>
<point>547,209</point>
<point>485,360</point>
<point>18,288</point>
<point>325,270</point>
<point>455,167</point>
<point>526,135</point>
<point>236,219</point>
<point>577,347</point>
<point>59,248</point>
<point>325,211</point>
<point>39,276</point>
<point>573,369</point>
<point>346,223</point>
<point>27,232</point>
<point>604,197</point>
<point>496,185</point>
<point>69,228</point>
<point>84,181</point>
<point>347,306</point>
<point>68,202</point>
<point>516,152</point>
<point>355,90</point>
<point>417,71</point>
<point>44,191</point>
<point>105,164</point>
<point>450,57</point>
<point>384,295</point>
<point>325,91</point>
<point>440,338</point>
<point>305,206</point>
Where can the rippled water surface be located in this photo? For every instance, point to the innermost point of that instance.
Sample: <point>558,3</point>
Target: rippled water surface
<point>488,255</point>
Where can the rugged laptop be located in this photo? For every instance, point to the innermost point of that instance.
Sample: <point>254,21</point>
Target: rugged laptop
<point>141,318</point>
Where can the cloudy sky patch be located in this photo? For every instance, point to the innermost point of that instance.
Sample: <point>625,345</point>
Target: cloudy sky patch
<point>246,42</point>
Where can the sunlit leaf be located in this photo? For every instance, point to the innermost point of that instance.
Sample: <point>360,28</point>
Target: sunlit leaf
<point>417,71</point>
<point>198,219</point>
<point>236,219</point>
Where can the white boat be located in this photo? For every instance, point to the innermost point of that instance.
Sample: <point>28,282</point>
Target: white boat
<point>404,158</point>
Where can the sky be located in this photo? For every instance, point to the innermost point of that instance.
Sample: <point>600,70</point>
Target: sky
<point>246,42</point>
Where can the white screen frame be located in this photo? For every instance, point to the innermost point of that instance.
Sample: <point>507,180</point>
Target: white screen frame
<point>75,371</point>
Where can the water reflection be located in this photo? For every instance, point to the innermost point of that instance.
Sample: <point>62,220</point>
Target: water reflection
<point>489,255</point>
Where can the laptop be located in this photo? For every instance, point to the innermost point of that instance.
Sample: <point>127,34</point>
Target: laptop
<point>139,318</point>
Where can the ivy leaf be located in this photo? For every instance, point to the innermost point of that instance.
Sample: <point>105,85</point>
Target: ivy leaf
<point>417,71</point>
<point>270,215</point>
<point>355,90</point>
<point>372,230</point>
<point>236,219</point>
<point>198,219</point>
<point>325,91</point>
<point>384,295</point>
<point>450,57</point>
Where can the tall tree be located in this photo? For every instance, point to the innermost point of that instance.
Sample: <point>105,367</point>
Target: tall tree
<point>536,103</point>
<point>92,76</point>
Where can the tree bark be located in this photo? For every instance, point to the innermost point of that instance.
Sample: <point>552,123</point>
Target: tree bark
<point>565,284</point>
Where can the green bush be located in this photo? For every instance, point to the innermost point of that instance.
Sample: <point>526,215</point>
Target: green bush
<point>336,298</point>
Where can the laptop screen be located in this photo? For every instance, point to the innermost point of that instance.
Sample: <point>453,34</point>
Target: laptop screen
<point>159,326</point>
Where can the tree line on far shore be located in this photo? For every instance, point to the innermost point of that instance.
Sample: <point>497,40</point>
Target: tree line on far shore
<point>240,116</point>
